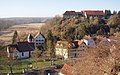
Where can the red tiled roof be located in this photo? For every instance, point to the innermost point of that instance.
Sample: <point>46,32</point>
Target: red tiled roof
<point>63,43</point>
<point>93,12</point>
<point>66,69</point>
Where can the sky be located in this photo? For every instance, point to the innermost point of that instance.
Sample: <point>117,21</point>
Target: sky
<point>51,8</point>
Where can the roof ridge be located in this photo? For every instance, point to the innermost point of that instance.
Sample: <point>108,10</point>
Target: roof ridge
<point>30,46</point>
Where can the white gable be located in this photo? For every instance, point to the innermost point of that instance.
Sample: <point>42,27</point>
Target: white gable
<point>39,40</point>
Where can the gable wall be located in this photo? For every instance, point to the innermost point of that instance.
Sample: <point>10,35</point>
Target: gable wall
<point>39,40</point>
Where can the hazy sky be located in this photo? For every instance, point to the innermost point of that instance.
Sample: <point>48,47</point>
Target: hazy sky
<point>50,8</point>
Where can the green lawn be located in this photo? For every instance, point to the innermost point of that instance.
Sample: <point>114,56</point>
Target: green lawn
<point>26,62</point>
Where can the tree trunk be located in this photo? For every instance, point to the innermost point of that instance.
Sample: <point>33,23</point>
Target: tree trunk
<point>36,64</point>
<point>11,69</point>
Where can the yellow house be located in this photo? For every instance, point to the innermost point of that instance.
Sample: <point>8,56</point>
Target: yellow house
<point>69,49</point>
<point>62,49</point>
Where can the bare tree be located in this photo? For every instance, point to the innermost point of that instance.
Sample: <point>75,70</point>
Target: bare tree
<point>99,60</point>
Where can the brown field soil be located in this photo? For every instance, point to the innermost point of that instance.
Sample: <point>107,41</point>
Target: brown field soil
<point>6,35</point>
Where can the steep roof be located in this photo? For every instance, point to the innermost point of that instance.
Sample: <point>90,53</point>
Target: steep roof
<point>63,44</point>
<point>12,46</point>
<point>23,46</point>
<point>79,42</point>
<point>94,12</point>
<point>69,13</point>
<point>38,34</point>
<point>30,36</point>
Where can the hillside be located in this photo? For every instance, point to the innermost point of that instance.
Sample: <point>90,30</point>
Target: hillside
<point>26,20</point>
<point>8,22</point>
<point>76,28</point>
<point>6,35</point>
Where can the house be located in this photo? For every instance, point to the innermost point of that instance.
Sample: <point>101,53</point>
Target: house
<point>62,49</point>
<point>88,41</point>
<point>85,13</point>
<point>20,50</point>
<point>69,14</point>
<point>73,49</point>
<point>93,13</point>
<point>69,49</point>
<point>39,39</point>
<point>67,69</point>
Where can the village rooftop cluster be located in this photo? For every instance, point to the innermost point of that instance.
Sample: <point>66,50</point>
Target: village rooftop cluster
<point>64,50</point>
<point>86,13</point>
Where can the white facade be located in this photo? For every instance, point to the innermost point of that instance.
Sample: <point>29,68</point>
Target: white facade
<point>23,55</point>
<point>39,40</point>
<point>19,55</point>
<point>62,52</point>
<point>30,38</point>
<point>89,43</point>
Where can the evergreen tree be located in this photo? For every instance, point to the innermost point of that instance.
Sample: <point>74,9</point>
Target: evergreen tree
<point>119,14</point>
<point>101,31</point>
<point>107,14</point>
<point>49,35</point>
<point>50,43</point>
<point>114,12</point>
<point>15,37</point>
<point>82,31</point>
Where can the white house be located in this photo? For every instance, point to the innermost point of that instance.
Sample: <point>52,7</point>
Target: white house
<point>93,13</point>
<point>20,50</point>
<point>88,41</point>
<point>39,39</point>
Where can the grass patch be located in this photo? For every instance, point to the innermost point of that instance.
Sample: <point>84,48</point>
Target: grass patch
<point>17,68</point>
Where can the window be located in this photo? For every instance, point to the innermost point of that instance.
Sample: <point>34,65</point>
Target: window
<point>41,40</point>
<point>36,40</point>
<point>75,55</point>
<point>22,53</point>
